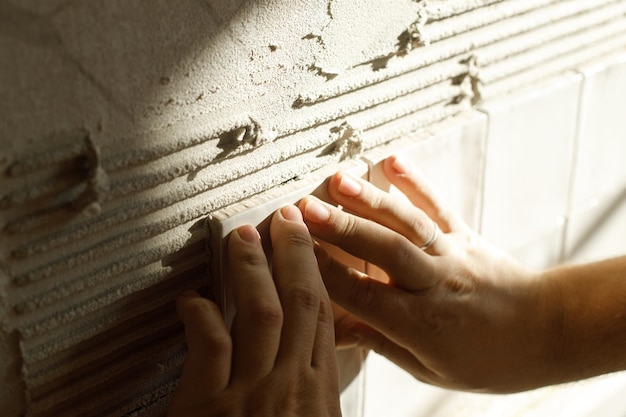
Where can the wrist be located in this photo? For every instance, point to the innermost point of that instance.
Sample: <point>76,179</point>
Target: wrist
<point>586,303</point>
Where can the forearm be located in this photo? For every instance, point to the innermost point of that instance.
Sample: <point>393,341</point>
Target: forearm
<point>589,303</point>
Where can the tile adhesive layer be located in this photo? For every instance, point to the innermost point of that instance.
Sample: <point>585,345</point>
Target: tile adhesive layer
<point>126,124</point>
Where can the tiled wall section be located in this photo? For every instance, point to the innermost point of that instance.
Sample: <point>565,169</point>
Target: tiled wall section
<point>529,155</point>
<point>597,211</point>
<point>554,190</point>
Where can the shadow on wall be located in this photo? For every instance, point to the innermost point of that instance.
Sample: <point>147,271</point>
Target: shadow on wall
<point>101,217</point>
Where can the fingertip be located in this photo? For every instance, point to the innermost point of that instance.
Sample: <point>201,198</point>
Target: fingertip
<point>248,233</point>
<point>398,165</point>
<point>291,213</point>
<point>314,211</point>
<point>334,181</point>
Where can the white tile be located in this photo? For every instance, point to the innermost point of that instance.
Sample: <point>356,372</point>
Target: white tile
<point>597,231</point>
<point>544,251</point>
<point>258,211</point>
<point>600,163</point>
<point>530,144</point>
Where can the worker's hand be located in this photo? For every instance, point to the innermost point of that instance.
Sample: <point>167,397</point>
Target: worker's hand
<point>279,358</point>
<point>459,314</point>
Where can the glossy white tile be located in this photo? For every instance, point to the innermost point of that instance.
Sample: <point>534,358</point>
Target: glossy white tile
<point>600,163</point>
<point>544,251</point>
<point>530,144</point>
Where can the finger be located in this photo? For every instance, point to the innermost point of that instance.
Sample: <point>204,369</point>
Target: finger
<point>298,283</point>
<point>323,356</point>
<point>207,366</point>
<point>258,321</point>
<point>377,304</point>
<point>407,266</point>
<point>365,200</point>
<point>419,191</point>
<point>381,309</point>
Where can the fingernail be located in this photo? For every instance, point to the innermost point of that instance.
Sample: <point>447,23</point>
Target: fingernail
<point>249,233</point>
<point>401,166</point>
<point>349,186</point>
<point>291,213</point>
<point>316,212</point>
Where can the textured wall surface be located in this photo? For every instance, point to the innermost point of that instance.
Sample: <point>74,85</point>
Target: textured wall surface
<point>125,122</point>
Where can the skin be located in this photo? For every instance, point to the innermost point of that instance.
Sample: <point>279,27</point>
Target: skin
<point>279,357</point>
<point>462,314</point>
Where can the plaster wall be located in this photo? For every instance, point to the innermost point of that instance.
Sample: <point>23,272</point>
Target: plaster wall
<point>125,123</point>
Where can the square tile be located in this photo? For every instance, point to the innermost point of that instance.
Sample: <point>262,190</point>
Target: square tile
<point>597,231</point>
<point>530,145</point>
<point>257,211</point>
<point>600,168</point>
<point>545,251</point>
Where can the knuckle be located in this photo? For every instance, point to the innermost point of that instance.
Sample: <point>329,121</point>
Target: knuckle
<point>363,294</point>
<point>404,250</point>
<point>304,297</point>
<point>218,343</point>
<point>420,227</point>
<point>253,260</point>
<point>326,312</point>
<point>200,307</point>
<point>298,239</point>
<point>267,315</point>
<point>376,200</point>
<point>348,226</point>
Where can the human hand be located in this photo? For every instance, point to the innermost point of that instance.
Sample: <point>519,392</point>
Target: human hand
<point>279,358</point>
<point>460,314</point>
